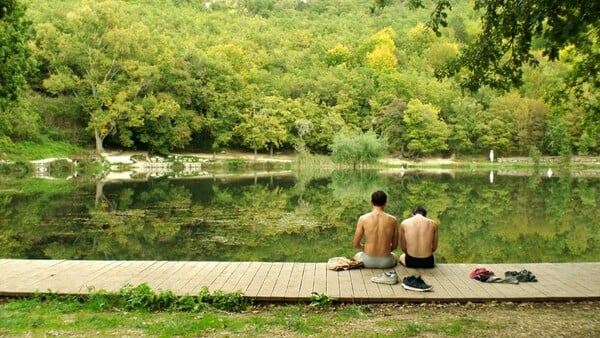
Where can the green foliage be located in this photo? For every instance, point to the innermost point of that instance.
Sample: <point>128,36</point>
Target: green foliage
<point>321,300</point>
<point>27,150</point>
<point>511,33</point>
<point>535,154</point>
<point>61,168</point>
<point>357,149</point>
<point>16,169</point>
<point>424,132</point>
<point>15,62</point>
<point>265,74</point>
<point>143,298</point>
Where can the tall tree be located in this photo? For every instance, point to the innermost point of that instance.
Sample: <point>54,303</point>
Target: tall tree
<point>112,67</point>
<point>425,132</point>
<point>15,64</point>
<point>512,29</point>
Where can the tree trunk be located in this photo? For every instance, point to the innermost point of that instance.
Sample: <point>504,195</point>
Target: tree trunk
<point>99,193</point>
<point>99,141</point>
<point>255,155</point>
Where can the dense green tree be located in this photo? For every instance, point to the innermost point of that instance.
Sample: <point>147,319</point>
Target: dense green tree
<point>357,148</point>
<point>462,121</point>
<point>163,76</point>
<point>425,132</point>
<point>15,62</point>
<point>109,65</point>
<point>512,29</point>
<point>391,126</point>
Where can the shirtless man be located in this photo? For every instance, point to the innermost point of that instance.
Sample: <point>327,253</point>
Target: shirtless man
<point>380,230</point>
<point>418,240</point>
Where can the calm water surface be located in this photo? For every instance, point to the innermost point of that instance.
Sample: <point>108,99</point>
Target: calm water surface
<point>295,218</point>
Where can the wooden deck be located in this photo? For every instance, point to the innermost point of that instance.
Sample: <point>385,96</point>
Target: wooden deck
<point>294,282</point>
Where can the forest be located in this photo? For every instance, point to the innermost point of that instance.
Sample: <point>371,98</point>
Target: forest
<point>297,75</point>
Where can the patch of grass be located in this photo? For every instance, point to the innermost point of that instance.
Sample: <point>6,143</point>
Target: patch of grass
<point>28,151</point>
<point>410,329</point>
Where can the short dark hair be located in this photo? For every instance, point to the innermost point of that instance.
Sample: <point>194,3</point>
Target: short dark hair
<point>379,198</point>
<point>419,210</point>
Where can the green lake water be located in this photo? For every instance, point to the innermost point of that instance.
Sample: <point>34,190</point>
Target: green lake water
<point>293,218</point>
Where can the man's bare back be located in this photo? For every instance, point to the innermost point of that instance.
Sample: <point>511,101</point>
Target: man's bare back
<point>418,239</point>
<point>380,230</point>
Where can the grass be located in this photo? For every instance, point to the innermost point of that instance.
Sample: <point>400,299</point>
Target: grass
<point>70,316</point>
<point>30,151</point>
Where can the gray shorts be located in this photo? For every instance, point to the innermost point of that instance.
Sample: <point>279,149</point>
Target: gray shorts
<point>378,262</point>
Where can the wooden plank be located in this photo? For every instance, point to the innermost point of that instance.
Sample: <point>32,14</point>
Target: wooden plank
<point>227,273</point>
<point>118,275</point>
<point>333,284</point>
<point>266,289</point>
<point>450,281</point>
<point>371,289</point>
<point>55,275</point>
<point>442,287</point>
<point>307,284</point>
<point>189,274</point>
<point>30,272</point>
<point>320,284</point>
<point>257,281</point>
<point>208,276</point>
<point>230,284</point>
<point>213,274</point>
<point>345,285</point>
<point>471,288</point>
<point>247,277</point>
<point>166,277</point>
<point>359,286</point>
<point>295,282</point>
<point>146,275</point>
<point>280,288</point>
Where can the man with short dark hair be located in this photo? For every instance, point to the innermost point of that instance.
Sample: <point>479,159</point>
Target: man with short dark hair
<point>380,230</point>
<point>418,240</point>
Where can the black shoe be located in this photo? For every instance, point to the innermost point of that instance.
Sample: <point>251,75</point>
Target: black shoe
<point>415,283</point>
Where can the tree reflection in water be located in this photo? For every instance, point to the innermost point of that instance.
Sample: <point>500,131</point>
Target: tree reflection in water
<point>288,218</point>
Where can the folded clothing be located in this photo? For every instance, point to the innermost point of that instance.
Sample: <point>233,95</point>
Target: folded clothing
<point>343,263</point>
<point>481,274</point>
<point>522,276</point>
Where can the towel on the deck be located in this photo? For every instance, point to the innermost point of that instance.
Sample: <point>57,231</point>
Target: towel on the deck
<point>343,263</point>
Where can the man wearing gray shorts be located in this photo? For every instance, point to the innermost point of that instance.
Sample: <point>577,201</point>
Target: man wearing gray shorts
<point>380,231</point>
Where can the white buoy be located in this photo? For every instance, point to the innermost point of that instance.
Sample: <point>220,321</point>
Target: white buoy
<point>549,172</point>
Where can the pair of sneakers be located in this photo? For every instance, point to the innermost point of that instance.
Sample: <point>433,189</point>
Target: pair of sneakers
<point>414,283</point>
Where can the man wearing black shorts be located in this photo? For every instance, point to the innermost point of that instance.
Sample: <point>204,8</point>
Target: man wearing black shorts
<point>418,240</point>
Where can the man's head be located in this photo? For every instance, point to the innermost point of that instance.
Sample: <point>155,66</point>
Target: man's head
<point>379,198</point>
<point>419,210</point>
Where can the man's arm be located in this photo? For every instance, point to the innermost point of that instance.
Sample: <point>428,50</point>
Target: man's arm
<point>395,237</point>
<point>434,243</point>
<point>358,234</point>
<point>402,238</point>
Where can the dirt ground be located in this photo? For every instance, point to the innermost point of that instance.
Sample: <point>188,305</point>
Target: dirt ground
<point>497,319</point>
